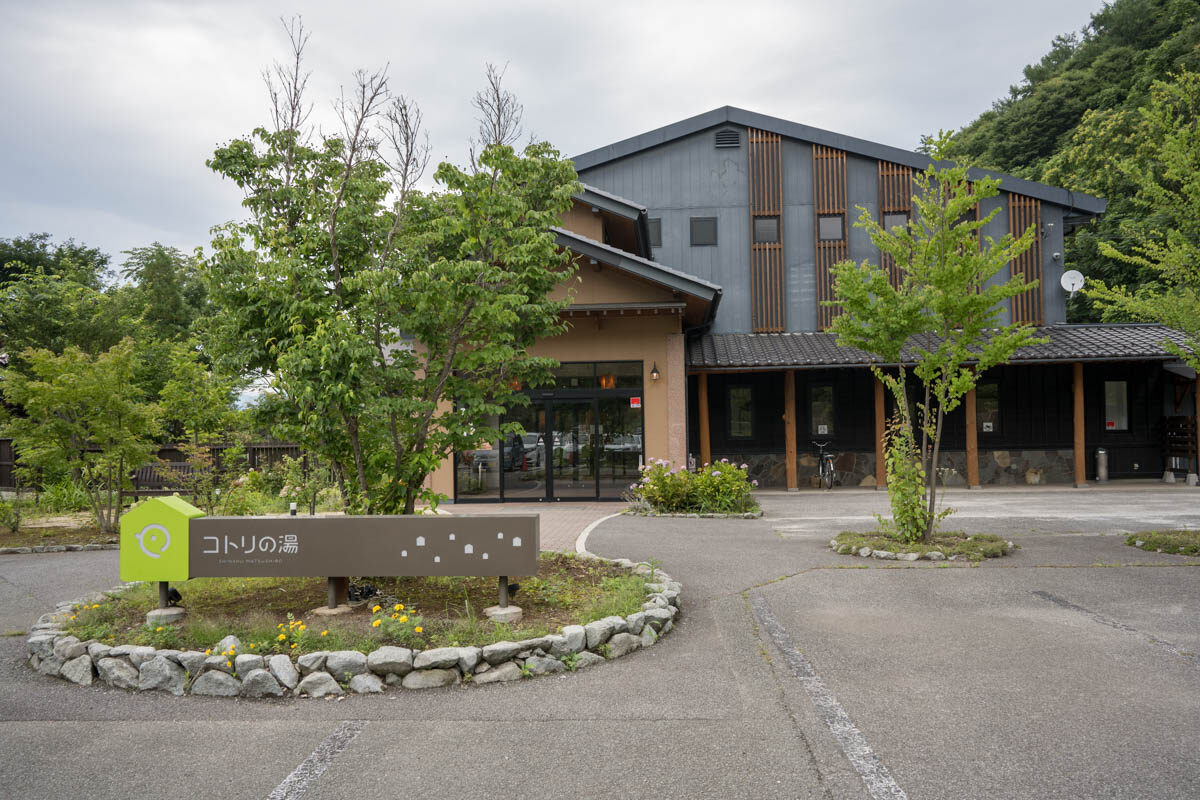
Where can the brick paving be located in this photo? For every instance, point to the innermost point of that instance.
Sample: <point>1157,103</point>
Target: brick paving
<point>560,525</point>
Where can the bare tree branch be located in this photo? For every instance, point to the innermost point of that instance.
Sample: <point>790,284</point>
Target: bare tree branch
<point>286,83</point>
<point>499,114</point>
<point>407,157</point>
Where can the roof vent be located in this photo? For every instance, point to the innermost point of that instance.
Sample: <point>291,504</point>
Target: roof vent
<point>729,137</point>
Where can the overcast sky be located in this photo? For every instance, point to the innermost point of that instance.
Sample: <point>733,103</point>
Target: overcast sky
<point>112,106</point>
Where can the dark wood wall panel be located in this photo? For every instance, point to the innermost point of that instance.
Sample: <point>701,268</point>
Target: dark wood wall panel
<point>895,197</point>
<point>767,291</point>
<point>1022,213</point>
<point>829,197</point>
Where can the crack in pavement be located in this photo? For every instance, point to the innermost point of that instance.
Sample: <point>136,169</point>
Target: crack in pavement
<point>1112,623</point>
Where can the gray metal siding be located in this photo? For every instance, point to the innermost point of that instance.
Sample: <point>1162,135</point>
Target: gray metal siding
<point>862,189</point>
<point>799,257</point>
<point>996,229</point>
<point>1054,299</point>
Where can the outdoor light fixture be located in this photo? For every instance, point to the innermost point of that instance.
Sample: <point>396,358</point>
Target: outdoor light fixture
<point>654,373</point>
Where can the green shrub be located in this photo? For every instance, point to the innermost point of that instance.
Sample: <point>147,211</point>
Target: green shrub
<point>10,515</point>
<point>723,488</point>
<point>64,496</point>
<point>241,501</point>
<point>720,488</point>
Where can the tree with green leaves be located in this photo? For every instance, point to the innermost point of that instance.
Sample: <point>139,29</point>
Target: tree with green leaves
<point>1163,238</point>
<point>940,320</point>
<point>392,324</point>
<point>41,310</point>
<point>168,292</point>
<point>23,255</point>
<point>82,414</point>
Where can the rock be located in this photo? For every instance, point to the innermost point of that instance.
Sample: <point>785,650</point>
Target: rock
<point>246,663</point>
<point>437,658</point>
<point>482,667</point>
<point>508,671</point>
<point>117,672</point>
<point>885,555</point>
<point>78,670</point>
<point>666,628</point>
<point>635,622</point>
<point>161,674</point>
<point>140,655</point>
<point>909,556</point>
<point>217,684</point>
<point>397,660</point>
<point>230,642</point>
<point>393,679</point>
<point>540,643</point>
<point>504,615</point>
<point>598,632</point>
<point>284,671</point>
<point>576,637</point>
<point>219,663</point>
<point>345,664</point>
<point>833,544</point>
<point>171,654</point>
<point>542,665</point>
<point>260,683</point>
<point>430,678</point>
<point>935,555</point>
<point>657,618</point>
<point>367,683</point>
<point>655,601</point>
<point>1139,542</point>
<point>98,651</point>
<point>499,652</point>
<point>42,645</point>
<point>654,588</point>
<point>319,684</point>
<point>672,597</point>
<point>623,644</point>
<point>558,646</point>
<point>648,636</point>
<point>468,657</point>
<point>120,651</point>
<point>864,552</point>
<point>192,661</point>
<point>590,659</point>
<point>69,647</point>
<point>311,662</point>
<point>618,624</point>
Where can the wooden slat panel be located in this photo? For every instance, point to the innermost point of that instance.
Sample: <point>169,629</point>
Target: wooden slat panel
<point>1024,212</point>
<point>829,197</point>
<point>766,259</point>
<point>895,196</point>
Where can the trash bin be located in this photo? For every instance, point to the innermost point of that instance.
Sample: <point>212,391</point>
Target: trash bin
<point>1101,465</point>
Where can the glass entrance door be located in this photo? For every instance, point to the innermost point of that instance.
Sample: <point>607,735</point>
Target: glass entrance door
<point>572,450</point>
<point>525,464</point>
<point>619,448</point>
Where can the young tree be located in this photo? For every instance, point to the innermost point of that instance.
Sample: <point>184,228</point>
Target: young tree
<point>168,292</point>
<point>393,324</point>
<point>84,414</point>
<point>1163,238</point>
<point>940,321</point>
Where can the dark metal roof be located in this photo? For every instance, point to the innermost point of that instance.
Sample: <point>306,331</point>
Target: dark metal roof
<point>1067,343</point>
<point>642,267</point>
<point>1073,201</point>
<point>610,202</point>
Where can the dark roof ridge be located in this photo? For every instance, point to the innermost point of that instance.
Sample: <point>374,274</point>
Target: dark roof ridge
<point>1067,198</point>
<point>645,262</point>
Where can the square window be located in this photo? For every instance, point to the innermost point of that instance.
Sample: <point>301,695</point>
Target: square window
<point>741,420</point>
<point>1116,406</point>
<point>766,230</point>
<point>831,227</point>
<point>704,231</point>
<point>987,407</point>
<point>895,219</point>
<point>821,410</point>
<point>655,232</point>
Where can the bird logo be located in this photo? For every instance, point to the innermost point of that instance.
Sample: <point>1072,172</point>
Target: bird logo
<point>156,537</point>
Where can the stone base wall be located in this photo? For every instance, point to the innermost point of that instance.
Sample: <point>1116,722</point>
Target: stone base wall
<point>1010,467</point>
<point>770,469</point>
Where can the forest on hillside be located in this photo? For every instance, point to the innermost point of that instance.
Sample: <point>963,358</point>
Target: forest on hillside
<point>1078,119</point>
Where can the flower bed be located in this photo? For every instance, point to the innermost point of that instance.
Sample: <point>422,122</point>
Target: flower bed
<point>949,546</point>
<point>719,489</point>
<point>230,669</point>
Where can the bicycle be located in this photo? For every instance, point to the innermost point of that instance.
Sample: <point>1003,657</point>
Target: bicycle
<point>824,466</point>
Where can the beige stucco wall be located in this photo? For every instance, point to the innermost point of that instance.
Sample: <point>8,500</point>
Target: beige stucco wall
<point>596,283</point>
<point>582,220</point>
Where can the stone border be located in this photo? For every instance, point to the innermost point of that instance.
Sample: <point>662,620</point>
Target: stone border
<point>58,548</point>
<point>888,555</point>
<point>227,672</point>
<point>744,515</point>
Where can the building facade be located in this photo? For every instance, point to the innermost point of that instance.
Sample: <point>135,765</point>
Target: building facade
<point>698,329</point>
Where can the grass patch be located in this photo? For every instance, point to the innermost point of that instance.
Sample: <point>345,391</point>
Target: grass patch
<point>1184,543</point>
<point>270,615</point>
<point>975,547</point>
<point>41,536</point>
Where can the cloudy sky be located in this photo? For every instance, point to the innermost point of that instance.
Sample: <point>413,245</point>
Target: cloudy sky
<point>112,106</point>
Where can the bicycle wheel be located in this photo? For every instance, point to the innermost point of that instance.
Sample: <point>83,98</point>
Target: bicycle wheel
<point>827,476</point>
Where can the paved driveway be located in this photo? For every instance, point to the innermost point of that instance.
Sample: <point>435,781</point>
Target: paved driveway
<point>1067,670</point>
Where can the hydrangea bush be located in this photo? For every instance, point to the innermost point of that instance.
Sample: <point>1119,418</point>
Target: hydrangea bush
<point>719,488</point>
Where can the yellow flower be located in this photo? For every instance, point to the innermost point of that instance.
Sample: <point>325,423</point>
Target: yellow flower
<point>282,636</point>
<point>303,627</point>
<point>159,628</point>
<point>324,633</point>
<point>404,618</point>
<point>208,652</point>
<point>293,645</point>
<point>252,645</point>
<point>375,624</point>
<point>397,607</point>
<point>96,605</point>
<point>419,629</point>
<point>280,626</point>
<point>375,610</point>
<point>229,663</point>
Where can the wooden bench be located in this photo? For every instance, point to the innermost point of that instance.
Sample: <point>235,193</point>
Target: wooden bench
<point>157,480</point>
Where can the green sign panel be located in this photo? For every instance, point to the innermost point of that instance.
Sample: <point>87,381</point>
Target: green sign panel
<point>154,540</point>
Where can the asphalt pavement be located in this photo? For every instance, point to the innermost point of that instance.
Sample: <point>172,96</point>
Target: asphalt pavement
<point>1068,669</point>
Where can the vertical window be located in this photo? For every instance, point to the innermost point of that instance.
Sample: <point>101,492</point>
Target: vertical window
<point>1116,406</point>
<point>831,227</point>
<point>704,231</point>
<point>766,230</point>
<point>741,419</point>
<point>987,407</point>
<point>895,219</point>
<point>655,231</point>
<point>821,410</point>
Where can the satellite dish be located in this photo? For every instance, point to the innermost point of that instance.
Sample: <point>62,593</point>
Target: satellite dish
<point>1072,281</point>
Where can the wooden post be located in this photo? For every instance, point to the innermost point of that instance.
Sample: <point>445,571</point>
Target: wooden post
<point>880,427</point>
<point>1080,444</point>
<point>972,442</point>
<point>789,428</point>
<point>705,439</point>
